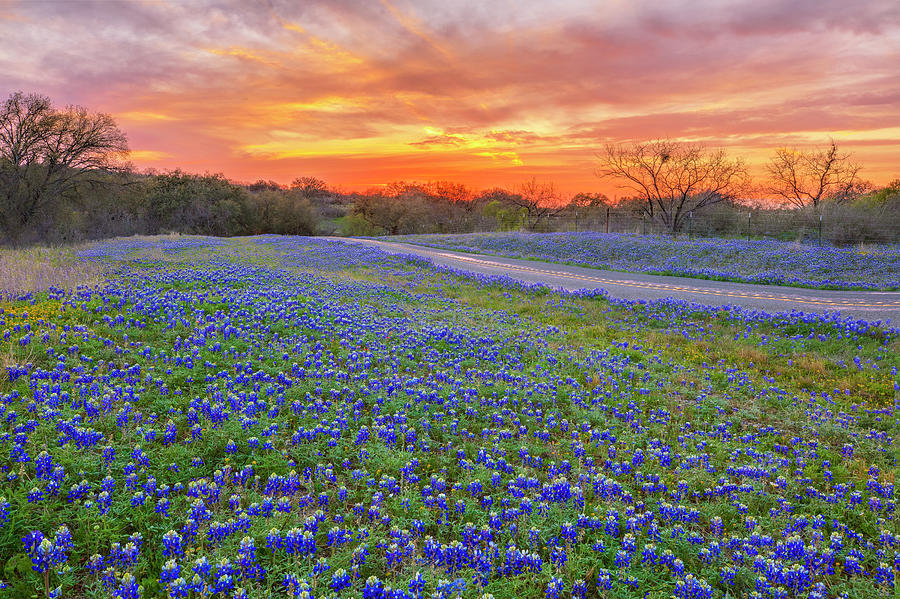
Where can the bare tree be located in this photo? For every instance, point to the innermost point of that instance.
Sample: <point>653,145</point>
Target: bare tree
<point>454,193</point>
<point>46,154</point>
<point>540,201</point>
<point>674,178</point>
<point>807,177</point>
<point>310,187</point>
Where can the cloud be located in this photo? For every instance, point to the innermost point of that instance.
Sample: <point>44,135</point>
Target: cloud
<point>148,155</point>
<point>439,140</point>
<point>511,157</point>
<point>139,116</point>
<point>503,86</point>
<point>518,136</point>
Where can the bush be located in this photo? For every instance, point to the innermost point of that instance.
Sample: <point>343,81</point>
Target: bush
<point>285,212</point>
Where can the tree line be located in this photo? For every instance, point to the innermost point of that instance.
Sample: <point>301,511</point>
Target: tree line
<point>64,177</point>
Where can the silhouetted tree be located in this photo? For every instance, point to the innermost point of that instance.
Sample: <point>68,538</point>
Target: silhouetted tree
<point>311,187</point>
<point>540,201</point>
<point>263,185</point>
<point>47,155</point>
<point>587,209</point>
<point>448,191</point>
<point>807,177</point>
<point>590,200</point>
<point>674,178</point>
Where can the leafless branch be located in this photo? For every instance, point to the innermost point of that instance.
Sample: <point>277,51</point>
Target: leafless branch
<point>45,154</point>
<point>673,178</point>
<point>807,177</point>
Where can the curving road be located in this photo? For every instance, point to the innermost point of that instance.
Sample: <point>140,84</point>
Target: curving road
<point>868,305</point>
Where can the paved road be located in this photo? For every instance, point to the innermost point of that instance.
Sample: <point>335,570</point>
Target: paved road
<point>868,305</point>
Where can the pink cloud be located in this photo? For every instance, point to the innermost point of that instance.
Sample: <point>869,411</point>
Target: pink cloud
<point>547,82</point>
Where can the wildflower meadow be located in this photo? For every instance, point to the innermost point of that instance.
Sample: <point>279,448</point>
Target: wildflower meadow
<point>765,262</point>
<point>293,417</point>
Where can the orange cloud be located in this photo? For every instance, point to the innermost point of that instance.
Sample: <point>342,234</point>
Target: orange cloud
<point>439,140</point>
<point>138,116</point>
<point>360,93</point>
<point>144,156</point>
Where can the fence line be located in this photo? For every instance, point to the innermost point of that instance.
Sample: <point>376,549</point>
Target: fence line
<point>839,227</point>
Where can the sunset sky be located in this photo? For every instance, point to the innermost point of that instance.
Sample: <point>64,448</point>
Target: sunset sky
<point>487,93</point>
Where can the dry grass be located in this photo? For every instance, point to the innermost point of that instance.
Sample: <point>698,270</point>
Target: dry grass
<point>37,269</point>
<point>11,356</point>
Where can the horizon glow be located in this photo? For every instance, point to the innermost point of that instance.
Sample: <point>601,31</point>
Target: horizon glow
<point>487,94</point>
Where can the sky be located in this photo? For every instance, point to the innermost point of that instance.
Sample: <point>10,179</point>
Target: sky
<point>486,93</point>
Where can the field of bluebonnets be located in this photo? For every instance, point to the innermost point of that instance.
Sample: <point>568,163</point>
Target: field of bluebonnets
<point>294,417</point>
<point>768,262</point>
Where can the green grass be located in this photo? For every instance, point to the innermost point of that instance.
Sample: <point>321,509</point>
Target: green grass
<point>680,372</point>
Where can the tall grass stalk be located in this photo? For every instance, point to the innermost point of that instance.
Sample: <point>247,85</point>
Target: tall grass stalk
<point>36,269</point>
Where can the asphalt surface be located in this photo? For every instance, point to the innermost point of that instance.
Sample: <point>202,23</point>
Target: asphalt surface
<point>867,305</point>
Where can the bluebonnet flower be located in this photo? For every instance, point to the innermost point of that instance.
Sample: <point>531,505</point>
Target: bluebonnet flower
<point>692,587</point>
<point>223,584</point>
<point>172,544</point>
<point>4,510</point>
<point>340,580</point>
<point>246,560</point>
<point>417,584</point>
<point>46,554</point>
<point>604,581</point>
<point>320,566</point>
<point>373,588</point>
<point>170,573</point>
<point>554,588</point>
<point>128,588</point>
